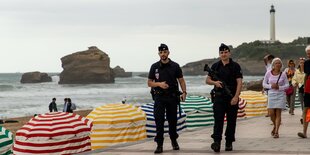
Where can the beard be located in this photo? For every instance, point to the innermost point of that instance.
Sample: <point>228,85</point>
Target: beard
<point>164,58</point>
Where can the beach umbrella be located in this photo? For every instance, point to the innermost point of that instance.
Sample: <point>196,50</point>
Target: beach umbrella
<point>199,112</point>
<point>150,122</point>
<point>256,103</point>
<point>54,133</point>
<point>115,124</point>
<point>6,141</point>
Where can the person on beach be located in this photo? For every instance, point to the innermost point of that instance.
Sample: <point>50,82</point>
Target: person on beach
<point>67,105</point>
<point>290,97</point>
<point>298,82</point>
<point>276,82</point>
<point>53,106</point>
<point>267,60</point>
<point>229,76</point>
<point>306,94</point>
<point>164,77</point>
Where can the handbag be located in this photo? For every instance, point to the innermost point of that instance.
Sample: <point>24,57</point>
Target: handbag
<point>289,90</point>
<point>308,115</point>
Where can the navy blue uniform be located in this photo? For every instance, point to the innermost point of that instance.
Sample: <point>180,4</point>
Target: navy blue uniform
<point>166,100</point>
<point>228,74</point>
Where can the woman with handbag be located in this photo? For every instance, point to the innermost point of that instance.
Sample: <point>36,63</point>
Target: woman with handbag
<point>291,90</point>
<point>276,82</point>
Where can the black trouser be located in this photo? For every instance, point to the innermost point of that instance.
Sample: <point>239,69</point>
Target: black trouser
<point>169,105</point>
<point>220,107</point>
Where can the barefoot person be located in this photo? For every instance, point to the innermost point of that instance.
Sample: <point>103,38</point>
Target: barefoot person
<point>276,82</point>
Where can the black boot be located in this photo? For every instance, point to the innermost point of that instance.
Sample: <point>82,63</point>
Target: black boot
<point>175,144</point>
<point>228,146</point>
<point>159,148</point>
<point>216,146</point>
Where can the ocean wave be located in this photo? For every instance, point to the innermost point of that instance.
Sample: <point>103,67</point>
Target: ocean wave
<point>4,87</point>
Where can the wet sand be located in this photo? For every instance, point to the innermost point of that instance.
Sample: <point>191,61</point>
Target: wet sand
<point>13,127</point>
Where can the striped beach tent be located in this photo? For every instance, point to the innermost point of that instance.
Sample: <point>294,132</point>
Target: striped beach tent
<point>53,133</point>
<point>115,124</point>
<point>150,122</point>
<point>6,141</point>
<point>256,103</point>
<point>198,111</point>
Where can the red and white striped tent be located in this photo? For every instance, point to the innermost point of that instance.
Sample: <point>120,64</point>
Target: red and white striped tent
<point>54,133</point>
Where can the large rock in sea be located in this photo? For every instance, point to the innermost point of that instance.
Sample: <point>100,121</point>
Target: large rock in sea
<point>35,77</point>
<point>120,72</point>
<point>86,67</point>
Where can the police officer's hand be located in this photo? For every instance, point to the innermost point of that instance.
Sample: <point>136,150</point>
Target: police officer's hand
<point>234,101</point>
<point>163,85</point>
<point>218,84</point>
<point>275,86</point>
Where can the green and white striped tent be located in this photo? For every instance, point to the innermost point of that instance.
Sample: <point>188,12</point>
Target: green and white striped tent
<point>199,111</point>
<point>6,141</point>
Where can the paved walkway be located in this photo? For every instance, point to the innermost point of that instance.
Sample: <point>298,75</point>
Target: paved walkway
<point>252,137</point>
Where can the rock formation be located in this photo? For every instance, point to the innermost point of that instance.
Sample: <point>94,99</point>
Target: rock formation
<point>253,85</point>
<point>86,67</point>
<point>35,77</point>
<point>120,72</point>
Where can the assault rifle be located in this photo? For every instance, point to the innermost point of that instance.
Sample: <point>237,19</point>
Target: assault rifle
<point>215,77</point>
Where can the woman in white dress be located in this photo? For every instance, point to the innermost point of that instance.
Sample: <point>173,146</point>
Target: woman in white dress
<point>276,82</point>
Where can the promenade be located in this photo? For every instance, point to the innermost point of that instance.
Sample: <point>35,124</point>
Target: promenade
<point>252,138</point>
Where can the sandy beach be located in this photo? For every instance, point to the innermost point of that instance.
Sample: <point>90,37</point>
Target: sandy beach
<point>13,127</point>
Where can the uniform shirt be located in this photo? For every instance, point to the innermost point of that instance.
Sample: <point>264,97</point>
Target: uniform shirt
<point>228,74</point>
<point>168,72</point>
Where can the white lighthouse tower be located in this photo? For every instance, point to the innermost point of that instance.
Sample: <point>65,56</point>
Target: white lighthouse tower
<point>272,25</point>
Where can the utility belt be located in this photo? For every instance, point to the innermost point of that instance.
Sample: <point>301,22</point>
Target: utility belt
<point>219,94</point>
<point>168,93</point>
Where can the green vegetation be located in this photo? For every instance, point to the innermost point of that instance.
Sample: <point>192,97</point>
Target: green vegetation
<point>257,50</point>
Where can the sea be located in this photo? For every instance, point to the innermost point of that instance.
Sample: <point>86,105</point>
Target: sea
<point>18,100</point>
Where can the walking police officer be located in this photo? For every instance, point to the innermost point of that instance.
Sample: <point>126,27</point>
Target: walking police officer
<point>164,77</point>
<point>230,76</point>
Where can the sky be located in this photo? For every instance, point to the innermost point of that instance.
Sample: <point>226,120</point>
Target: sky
<point>35,34</point>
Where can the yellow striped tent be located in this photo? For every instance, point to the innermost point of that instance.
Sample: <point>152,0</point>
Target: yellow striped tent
<point>116,123</point>
<point>256,103</point>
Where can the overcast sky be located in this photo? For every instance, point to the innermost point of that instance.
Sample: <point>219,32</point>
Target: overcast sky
<point>35,34</point>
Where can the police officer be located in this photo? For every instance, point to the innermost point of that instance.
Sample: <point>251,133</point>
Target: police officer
<point>230,76</point>
<point>164,77</point>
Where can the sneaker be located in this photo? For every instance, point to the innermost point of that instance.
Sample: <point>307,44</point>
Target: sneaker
<point>216,146</point>
<point>228,146</point>
<point>175,145</point>
<point>159,149</point>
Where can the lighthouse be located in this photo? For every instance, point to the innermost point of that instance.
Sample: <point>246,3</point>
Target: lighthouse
<point>272,25</point>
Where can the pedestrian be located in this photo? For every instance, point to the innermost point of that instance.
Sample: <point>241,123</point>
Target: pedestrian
<point>267,60</point>
<point>226,96</point>
<point>291,91</point>
<point>164,77</point>
<point>65,105</point>
<point>306,94</point>
<point>276,82</point>
<point>53,106</point>
<point>298,83</point>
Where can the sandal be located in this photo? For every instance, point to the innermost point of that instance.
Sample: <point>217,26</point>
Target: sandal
<point>273,132</point>
<point>301,135</point>
<point>276,135</point>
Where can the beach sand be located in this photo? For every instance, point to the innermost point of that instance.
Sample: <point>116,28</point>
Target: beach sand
<point>13,127</point>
